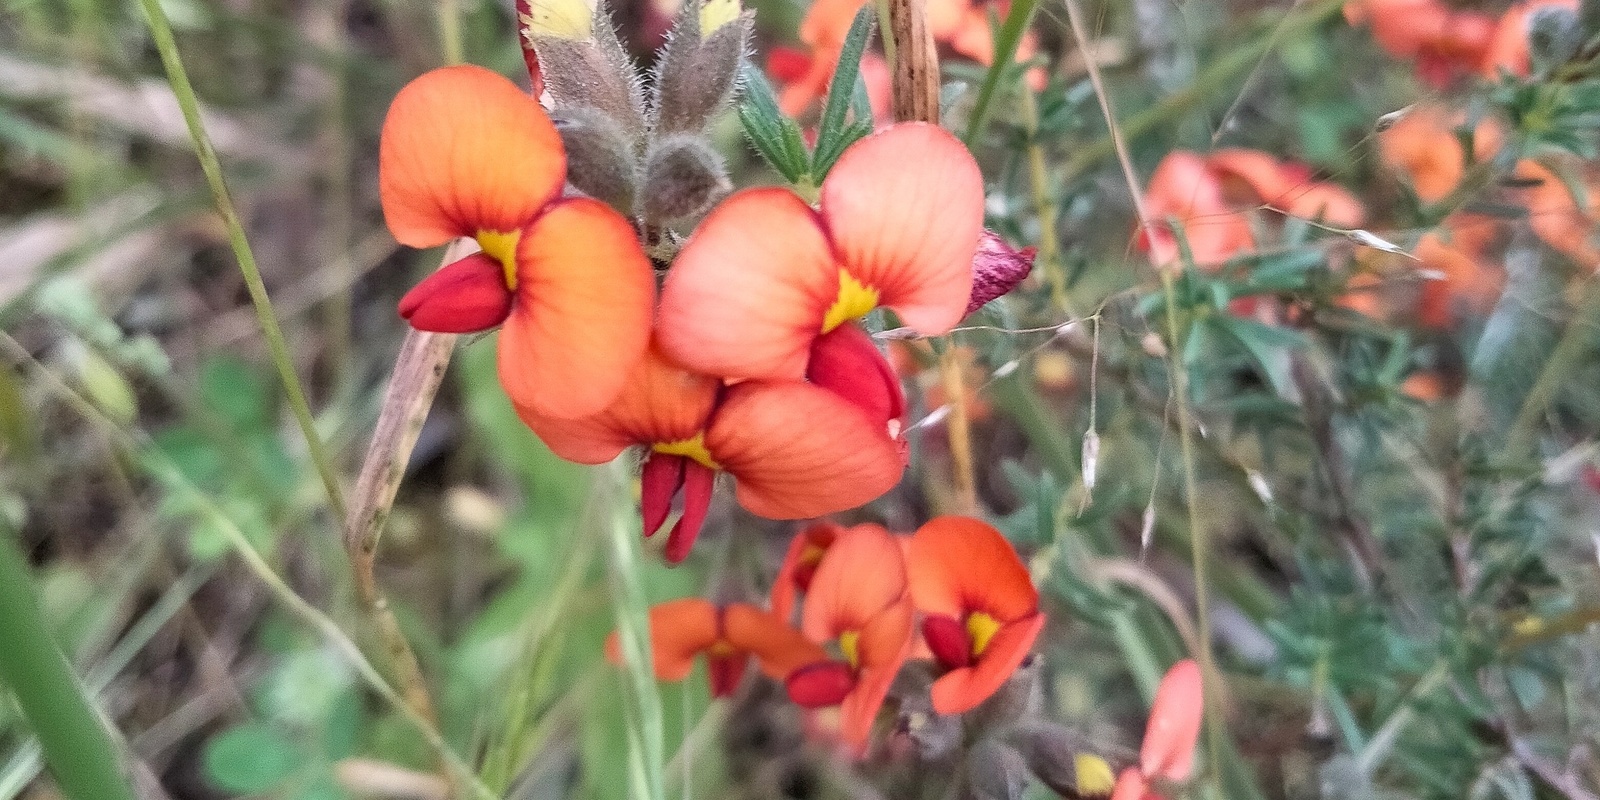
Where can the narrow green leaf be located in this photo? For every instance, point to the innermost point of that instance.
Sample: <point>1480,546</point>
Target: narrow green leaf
<point>832,131</point>
<point>772,134</point>
<point>1005,52</point>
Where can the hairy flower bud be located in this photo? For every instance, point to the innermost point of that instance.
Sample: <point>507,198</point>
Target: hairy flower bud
<point>1056,757</point>
<point>997,268</point>
<point>995,771</point>
<point>585,65</point>
<point>1554,36</point>
<point>683,177</point>
<point>699,66</point>
<point>600,157</point>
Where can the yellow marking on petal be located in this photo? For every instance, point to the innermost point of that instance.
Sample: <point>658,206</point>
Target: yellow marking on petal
<point>693,448</point>
<point>502,247</point>
<point>855,300</point>
<point>717,13</point>
<point>1093,776</point>
<point>559,19</point>
<point>722,648</point>
<point>849,641</point>
<point>981,627</point>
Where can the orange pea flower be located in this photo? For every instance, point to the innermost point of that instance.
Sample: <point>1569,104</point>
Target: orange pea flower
<point>800,564</point>
<point>765,274</point>
<point>1167,754</point>
<point>980,612</point>
<point>1554,214</point>
<point>1423,145</point>
<point>727,635</point>
<point>794,449</point>
<point>858,603</point>
<point>1507,47</point>
<point>465,153</point>
<point>1445,43</point>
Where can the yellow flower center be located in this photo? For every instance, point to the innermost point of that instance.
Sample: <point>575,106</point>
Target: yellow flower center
<point>693,448</point>
<point>502,247</point>
<point>1093,776</point>
<point>855,299</point>
<point>981,627</point>
<point>722,648</point>
<point>849,641</point>
<point>717,13</point>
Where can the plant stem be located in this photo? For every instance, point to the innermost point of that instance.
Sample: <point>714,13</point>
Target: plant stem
<point>1005,55</point>
<point>178,78</point>
<point>140,451</point>
<point>85,761</point>
<point>1044,209</point>
<point>1576,341</point>
<point>642,699</point>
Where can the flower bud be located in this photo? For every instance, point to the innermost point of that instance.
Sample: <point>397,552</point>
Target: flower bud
<point>699,66</point>
<point>600,157</point>
<point>1554,36</point>
<point>1056,757</point>
<point>683,177</point>
<point>997,268</point>
<point>466,296</point>
<point>995,771</point>
<point>584,65</point>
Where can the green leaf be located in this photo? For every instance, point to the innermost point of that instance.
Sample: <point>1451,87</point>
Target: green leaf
<point>833,134</point>
<point>229,387</point>
<point>773,135</point>
<point>251,758</point>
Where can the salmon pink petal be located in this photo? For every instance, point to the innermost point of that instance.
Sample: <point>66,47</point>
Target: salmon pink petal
<point>464,150</point>
<point>862,574</point>
<point>466,296</point>
<point>679,630</point>
<point>883,647</point>
<point>589,440</point>
<point>964,689</point>
<point>1132,786</point>
<point>798,451</point>
<point>748,292</point>
<point>904,207</point>
<point>958,565</point>
<point>698,481</point>
<point>779,648</point>
<point>1174,726</point>
<point>582,316</point>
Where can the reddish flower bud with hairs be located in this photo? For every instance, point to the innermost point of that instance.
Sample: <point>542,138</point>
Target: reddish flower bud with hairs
<point>465,153</point>
<point>979,608</point>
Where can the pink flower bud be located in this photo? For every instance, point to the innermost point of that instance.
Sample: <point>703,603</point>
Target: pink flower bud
<point>997,268</point>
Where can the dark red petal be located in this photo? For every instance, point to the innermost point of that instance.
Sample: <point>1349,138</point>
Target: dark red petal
<point>847,363</point>
<point>467,296</point>
<point>658,482</point>
<point>997,268</point>
<point>698,481</point>
<point>822,684</point>
<point>726,672</point>
<point>948,640</point>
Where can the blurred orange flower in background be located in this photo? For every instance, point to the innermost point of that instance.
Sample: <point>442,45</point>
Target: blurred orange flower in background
<point>1445,43</point>
<point>681,630</point>
<point>465,153</point>
<point>1170,735</point>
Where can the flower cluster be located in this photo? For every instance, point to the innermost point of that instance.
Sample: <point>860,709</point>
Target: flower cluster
<point>851,605</point>
<point>753,362</point>
<point>1448,44</point>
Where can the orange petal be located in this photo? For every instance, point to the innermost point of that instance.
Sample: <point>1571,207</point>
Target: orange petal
<point>582,316</point>
<point>679,630</point>
<point>800,451</point>
<point>800,565</point>
<point>779,648</point>
<point>964,689</point>
<point>883,646</point>
<point>464,150</point>
<point>862,574</point>
<point>904,207</point>
<point>748,292</point>
<point>661,402</point>
<point>1174,727</point>
<point>958,565</point>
